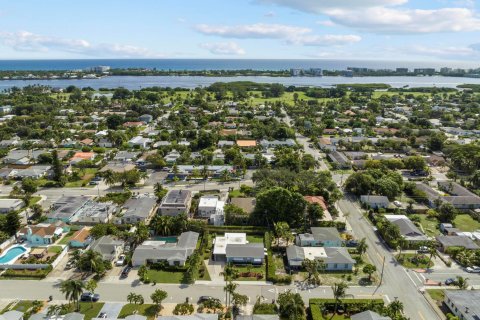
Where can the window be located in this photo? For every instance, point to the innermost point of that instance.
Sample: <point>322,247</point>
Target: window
<point>335,266</point>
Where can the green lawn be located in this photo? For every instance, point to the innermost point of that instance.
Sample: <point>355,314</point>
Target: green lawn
<point>407,263</point>
<point>23,305</point>
<point>254,238</point>
<point>465,222</point>
<point>90,311</point>
<point>161,276</point>
<point>66,238</point>
<point>236,194</point>
<point>436,294</point>
<point>55,249</point>
<point>430,226</point>
<point>147,310</point>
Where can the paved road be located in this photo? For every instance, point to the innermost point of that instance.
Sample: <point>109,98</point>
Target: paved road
<point>117,292</point>
<point>397,281</point>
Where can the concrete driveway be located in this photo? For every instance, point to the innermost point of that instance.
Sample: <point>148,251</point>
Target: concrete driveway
<point>112,309</point>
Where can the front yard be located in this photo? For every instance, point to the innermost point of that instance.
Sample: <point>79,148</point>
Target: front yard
<point>147,310</point>
<point>250,273</point>
<point>413,260</point>
<point>90,310</point>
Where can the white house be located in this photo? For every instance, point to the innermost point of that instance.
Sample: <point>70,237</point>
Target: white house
<point>211,207</point>
<point>140,141</point>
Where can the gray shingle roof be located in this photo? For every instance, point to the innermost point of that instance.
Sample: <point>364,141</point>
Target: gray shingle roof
<point>457,241</point>
<point>368,315</point>
<point>249,250</point>
<point>463,299</point>
<point>325,233</point>
<point>139,207</point>
<point>11,315</point>
<point>197,316</point>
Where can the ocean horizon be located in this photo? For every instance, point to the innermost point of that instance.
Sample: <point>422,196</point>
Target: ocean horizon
<point>224,64</point>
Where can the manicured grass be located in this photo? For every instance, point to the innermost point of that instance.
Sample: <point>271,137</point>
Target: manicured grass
<point>34,200</point>
<point>430,226</point>
<point>465,222</point>
<point>436,294</point>
<point>206,275</point>
<point>161,276</point>
<point>55,249</point>
<point>407,263</point>
<point>90,311</point>
<point>89,173</point>
<point>66,238</point>
<point>23,305</point>
<point>147,310</point>
<point>254,239</point>
<point>236,194</point>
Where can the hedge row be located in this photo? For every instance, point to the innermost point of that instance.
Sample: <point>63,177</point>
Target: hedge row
<point>350,305</point>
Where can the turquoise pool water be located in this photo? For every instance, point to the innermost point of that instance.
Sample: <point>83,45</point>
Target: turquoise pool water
<point>166,239</point>
<point>12,254</point>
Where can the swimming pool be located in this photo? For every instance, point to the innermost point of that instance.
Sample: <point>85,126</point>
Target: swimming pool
<point>166,239</point>
<point>12,254</point>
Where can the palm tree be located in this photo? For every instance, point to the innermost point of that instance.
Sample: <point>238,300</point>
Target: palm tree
<point>433,253</point>
<point>132,298</point>
<point>162,225</point>
<point>53,310</point>
<point>339,291</point>
<point>362,246</point>
<point>110,177</point>
<point>229,289</point>
<point>72,289</point>
<point>229,272</point>
<point>92,258</point>
<point>461,283</point>
<point>157,297</point>
<point>401,243</point>
<point>91,286</point>
<point>225,175</point>
<point>395,308</point>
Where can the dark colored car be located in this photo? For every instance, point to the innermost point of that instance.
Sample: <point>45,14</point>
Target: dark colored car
<point>125,272</point>
<point>204,298</point>
<point>88,296</point>
<point>352,243</point>
<point>449,282</point>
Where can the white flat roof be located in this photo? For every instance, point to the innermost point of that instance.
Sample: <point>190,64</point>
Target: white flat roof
<point>312,253</point>
<point>220,243</point>
<point>208,202</point>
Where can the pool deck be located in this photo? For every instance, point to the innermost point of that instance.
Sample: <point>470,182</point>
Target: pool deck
<point>14,259</point>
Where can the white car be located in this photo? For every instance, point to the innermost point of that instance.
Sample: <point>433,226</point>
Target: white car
<point>397,203</point>
<point>121,260</point>
<point>473,269</point>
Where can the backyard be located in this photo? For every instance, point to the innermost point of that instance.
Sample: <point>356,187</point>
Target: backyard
<point>429,225</point>
<point>465,222</point>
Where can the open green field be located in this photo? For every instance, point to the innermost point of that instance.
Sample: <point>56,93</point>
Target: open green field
<point>465,222</point>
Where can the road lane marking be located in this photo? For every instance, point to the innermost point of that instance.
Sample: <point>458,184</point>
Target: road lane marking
<point>387,298</point>
<point>410,278</point>
<point>421,315</point>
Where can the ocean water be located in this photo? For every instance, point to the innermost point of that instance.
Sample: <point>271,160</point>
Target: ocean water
<point>222,64</point>
<point>138,82</point>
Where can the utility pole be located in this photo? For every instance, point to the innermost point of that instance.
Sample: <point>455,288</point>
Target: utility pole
<point>383,268</point>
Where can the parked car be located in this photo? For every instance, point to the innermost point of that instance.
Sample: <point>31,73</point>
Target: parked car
<point>121,260</point>
<point>397,203</point>
<point>102,315</point>
<point>449,282</point>
<point>351,243</point>
<point>94,183</point>
<point>204,298</point>
<point>473,269</point>
<point>97,179</point>
<point>70,264</point>
<point>88,296</point>
<point>423,249</point>
<point>125,272</point>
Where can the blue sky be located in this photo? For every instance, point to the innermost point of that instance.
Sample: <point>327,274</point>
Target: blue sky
<point>278,29</point>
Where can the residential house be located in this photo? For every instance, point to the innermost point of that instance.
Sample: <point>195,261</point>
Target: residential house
<point>146,118</point>
<point>93,212</point>
<point>246,143</point>
<point>118,167</point>
<point>42,233</point>
<point>65,208</point>
<point>33,172</point>
<point>234,248</point>
<point>133,124</point>
<point>10,143</point>
<point>172,156</point>
<point>332,258</point>
<point>80,156</point>
<point>81,238</point>
<point>407,228</point>
<point>22,157</point>
<point>225,143</point>
<point>446,242</point>
<point>211,207</point>
<point>6,109</point>
<point>175,254</point>
<point>138,209</point>
<point>109,247</point>
<point>8,205</point>
<point>277,143</point>
<point>339,159</point>
<point>320,237</point>
<point>463,303</point>
<point>176,202</point>
<point>368,315</point>
<point>460,197</point>
<point>258,317</point>
<point>375,202</point>
<point>11,315</point>
<point>125,156</point>
<point>321,202</point>
<point>139,142</point>
<point>104,143</point>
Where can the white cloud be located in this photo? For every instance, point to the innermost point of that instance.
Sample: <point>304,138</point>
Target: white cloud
<point>258,31</point>
<point>326,23</point>
<point>387,20</point>
<point>291,34</point>
<point>318,6</point>
<point>325,40</point>
<point>385,16</point>
<point>27,41</point>
<point>223,48</point>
